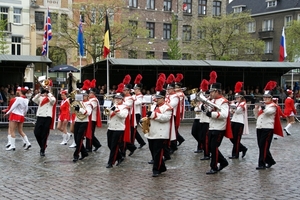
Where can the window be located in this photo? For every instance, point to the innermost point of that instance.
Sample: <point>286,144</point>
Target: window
<point>133,3</point>
<point>167,31</point>
<point>187,33</point>
<point>216,8</point>
<point>151,27</point>
<point>271,3</point>
<point>200,33</point>
<point>268,46</point>
<point>166,56</point>
<point>54,20</point>
<point>81,13</point>
<point>187,6</point>
<point>267,25</point>
<point>202,7</point>
<point>39,20</point>
<point>186,56</point>
<point>251,27</point>
<point>238,9</point>
<point>150,4</point>
<point>288,20</point>
<point>150,54</point>
<point>64,21</point>
<point>16,45</point>
<point>133,25</point>
<point>17,15</point>
<point>167,5</point>
<point>4,16</point>
<point>132,54</point>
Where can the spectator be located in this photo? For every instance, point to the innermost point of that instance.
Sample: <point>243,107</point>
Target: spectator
<point>11,95</point>
<point>281,96</point>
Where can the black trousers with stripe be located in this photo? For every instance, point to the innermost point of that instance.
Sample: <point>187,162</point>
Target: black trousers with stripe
<point>237,132</point>
<point>41,131</point>
<point>264,140</point>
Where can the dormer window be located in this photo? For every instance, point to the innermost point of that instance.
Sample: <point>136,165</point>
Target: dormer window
<point>271,3</point>
<point>238,9</point>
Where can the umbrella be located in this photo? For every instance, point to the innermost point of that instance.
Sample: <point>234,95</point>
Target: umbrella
<point>63,68</point>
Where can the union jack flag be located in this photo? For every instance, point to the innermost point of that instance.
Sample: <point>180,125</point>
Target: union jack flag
<point>47,34</point>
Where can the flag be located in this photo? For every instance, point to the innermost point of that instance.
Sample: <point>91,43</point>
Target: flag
<point>107,38</point>
<point>282,49</point>
<point>80,38</point>
<point>47,34</point>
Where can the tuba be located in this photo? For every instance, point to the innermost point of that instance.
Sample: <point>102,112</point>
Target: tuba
<point>74,103</point>
<point>202,98</point>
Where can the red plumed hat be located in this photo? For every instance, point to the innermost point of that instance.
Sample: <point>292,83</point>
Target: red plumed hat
<point>170,81</point>
<point>127,79</point>
<point>137,81</point>
<point>93,83</point>
<point>269,87</point>
<point>160,92</point>
<point>213,77</point>
<point>238,87</point>
<point>162,75</point>
<point>204,85</point>
<point>120,88</point>
<point>178,79</point>
<point>86,85</point>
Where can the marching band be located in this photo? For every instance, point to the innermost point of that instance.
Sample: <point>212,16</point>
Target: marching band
<point>215,117</point>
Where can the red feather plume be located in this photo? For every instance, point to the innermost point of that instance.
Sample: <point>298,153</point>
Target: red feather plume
<point>93,83</point>
<point>120,88</point>
<point>238,87</point>
<point>170,79</point>
<point>213,77</point>
<point>162,75</point>
<point>127,79</point>
<point>178,78</point>
<point>159,84</point>
<point>270,85</point>
<point>138,79</point>
<point>86,85</point>
<point>204,85</point>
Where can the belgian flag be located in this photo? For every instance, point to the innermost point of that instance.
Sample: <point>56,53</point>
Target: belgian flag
<point>107,38</point>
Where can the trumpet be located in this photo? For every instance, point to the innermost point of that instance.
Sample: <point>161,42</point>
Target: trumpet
<point>202,98</point>
<point>107,110</point>
<point>43,82</point>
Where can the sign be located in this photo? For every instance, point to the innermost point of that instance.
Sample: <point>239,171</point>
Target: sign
<point>52,3</point>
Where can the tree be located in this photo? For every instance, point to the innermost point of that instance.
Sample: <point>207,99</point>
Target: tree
<point>3,44</point>
<point>293,41</point>
<point>225,38</point>
<point>174,51</point>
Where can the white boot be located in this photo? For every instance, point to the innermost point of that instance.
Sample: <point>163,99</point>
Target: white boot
<point>73,145</point>
<point>24,142</point>
<point>27,143</point>
<point>64,142</point>
<point>69,136</point>
<point>8,141</point>
<point>12,144</point>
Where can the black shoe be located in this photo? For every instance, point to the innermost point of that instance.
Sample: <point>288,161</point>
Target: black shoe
<point>96,148</point>
<point>212,171</point>
<point>198,151</point>
<point>205,158</point>
<point>260,167</point>
<point>109,166</point>
<point>287,132</point>
<point>233,157</point>
<point>222,166</point>
<point>24,145</point>
<point>88,150</point>
<point>180,142</point>
<point>151,162</point>
<point>27,147</point>
<point>244,152</point>
<point>75,159</point>
<point>131,152</point>
<point>270,165</point>
<point>165,159</point>
<point>42,153</point>
<point>83,156</point>
<point>141,146</point>
<point>155,174</point>
<point>120,161</point>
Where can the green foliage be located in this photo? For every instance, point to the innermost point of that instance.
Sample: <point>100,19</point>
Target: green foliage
<point>292,39</point>
<point>3,44</point>
<point>174,51</point>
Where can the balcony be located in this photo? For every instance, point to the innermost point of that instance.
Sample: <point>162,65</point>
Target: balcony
<point>266,33</point>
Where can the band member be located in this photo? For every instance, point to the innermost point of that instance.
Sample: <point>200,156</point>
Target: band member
<point>95,118</point>
<point>17,110</point>
<point>72,123</point>
<point>115,132</point>
<point>138,99</point>
<point>219,126</point>
<point>64,117</point>
<point>289,111</point>
<point>196,127</point>
<point>45,117</point>
<point>239,122</point>
<point>160,131</point>
<point>129,102</point>
<point>268,122</point>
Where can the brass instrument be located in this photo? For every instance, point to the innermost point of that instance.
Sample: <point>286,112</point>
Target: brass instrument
<point>74,103</point>
<point>43,82</point>
<point>109,99</point>
<point>192,92</point>
<point>107,110</point>
<point>145,122</point>
<point>202,98</point>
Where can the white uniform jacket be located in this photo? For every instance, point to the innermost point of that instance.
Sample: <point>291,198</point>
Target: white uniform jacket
<point>265,118</point>
<point>239,113</point>
<point>197,110</point>
<point>160,120</point>
<point>95,106</point>
<point>218,120</point>
<point>173,100</point>
<point>19,107</point>
<point>129,102</point>
<point>117,118</point>
<point>85,110</point>
<point>45,103</point>
<point>203,118</point>
<point>138,99</point>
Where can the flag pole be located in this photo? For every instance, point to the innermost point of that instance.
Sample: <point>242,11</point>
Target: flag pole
<point>47,41</point>
<point>107,75</point>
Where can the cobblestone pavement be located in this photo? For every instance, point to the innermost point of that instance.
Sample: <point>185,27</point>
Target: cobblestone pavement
<point>26,175</point>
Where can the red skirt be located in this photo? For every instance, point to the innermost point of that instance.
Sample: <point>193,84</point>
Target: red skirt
<point>16,118</point>
<point>63,117</point>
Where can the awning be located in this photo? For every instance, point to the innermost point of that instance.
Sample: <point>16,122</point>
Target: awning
<point>24,59</point>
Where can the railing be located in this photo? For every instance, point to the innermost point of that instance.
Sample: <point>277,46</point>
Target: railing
<point>189,113</point>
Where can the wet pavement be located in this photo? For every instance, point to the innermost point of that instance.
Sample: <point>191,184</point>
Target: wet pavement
<point>26,175</point>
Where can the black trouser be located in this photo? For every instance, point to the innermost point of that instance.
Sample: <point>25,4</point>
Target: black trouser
<point>216,155</point>
<point>138,137</point>
<point>196,132</point>
<point>114,141</point>
<point>204,138</point>
<point>264,140</point>
<point>94,141</point>
<point>156,147</point>
<point>237,132</point>
<point>42,130</point>
<point>79,133</point>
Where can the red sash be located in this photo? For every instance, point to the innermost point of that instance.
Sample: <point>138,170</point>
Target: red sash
<point>277,123</point>
<point>88,132</point>
<point>127,130</point>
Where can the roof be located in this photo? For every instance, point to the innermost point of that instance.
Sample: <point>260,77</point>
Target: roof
<point>29,59</point>
<point>260,6</point>
<point>157,62</point>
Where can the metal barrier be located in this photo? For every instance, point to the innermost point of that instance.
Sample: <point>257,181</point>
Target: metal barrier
<point>189,113</point>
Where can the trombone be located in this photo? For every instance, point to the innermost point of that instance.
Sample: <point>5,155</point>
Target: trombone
<point>202,98</point>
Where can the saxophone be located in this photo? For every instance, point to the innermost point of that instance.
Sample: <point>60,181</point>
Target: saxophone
<point>74,103</point>
<point>145,122</point>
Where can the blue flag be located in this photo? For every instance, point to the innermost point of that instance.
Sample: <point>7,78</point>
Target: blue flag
<point>80,39</point>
